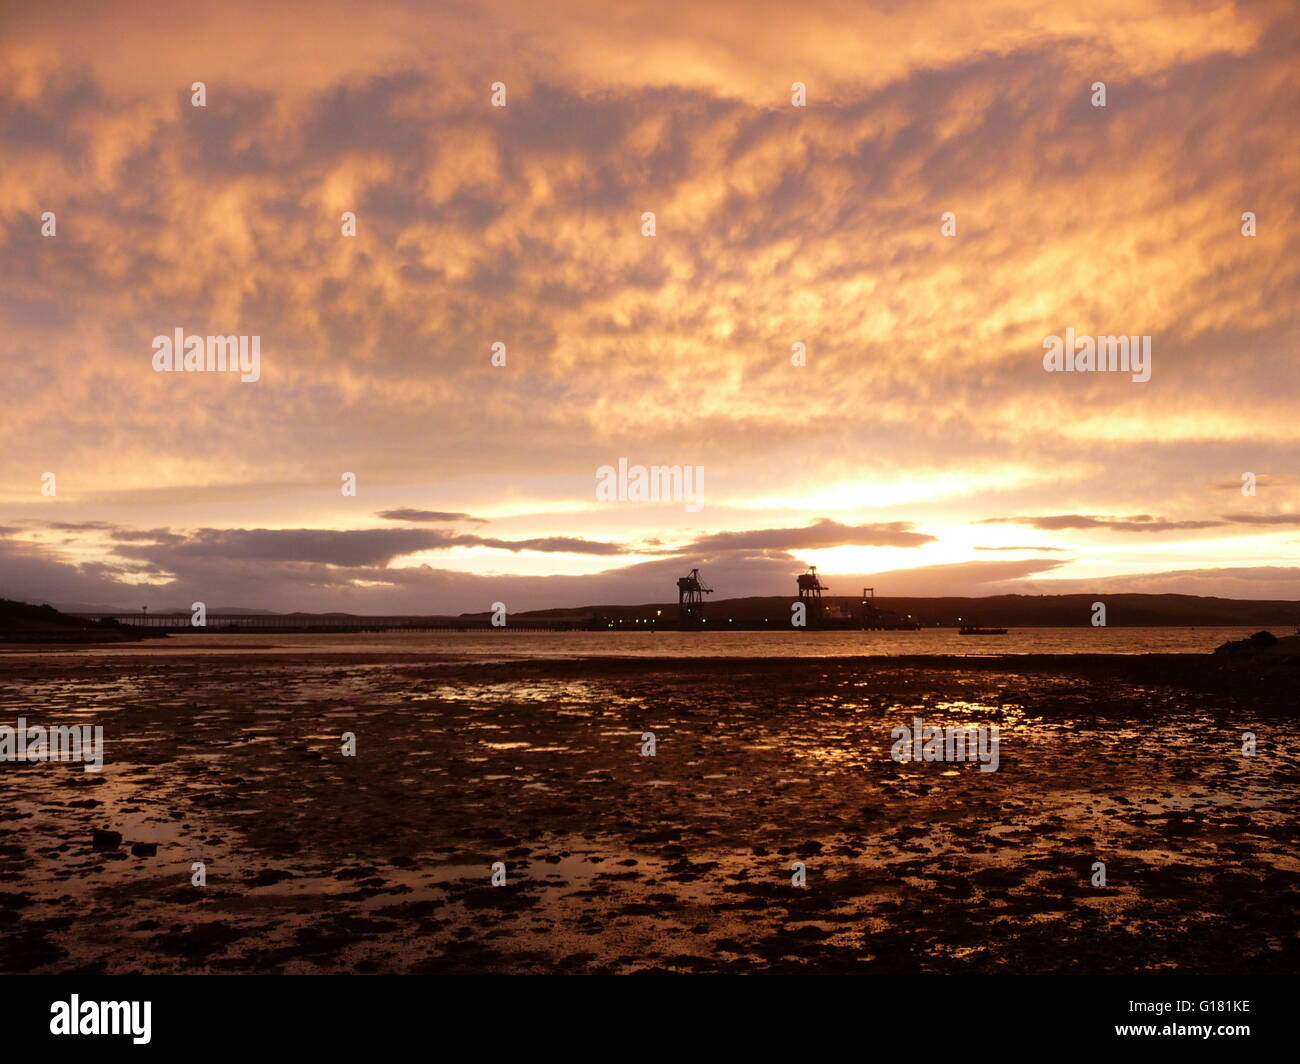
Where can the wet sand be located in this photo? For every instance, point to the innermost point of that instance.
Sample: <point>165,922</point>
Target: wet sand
<point>617,862</point>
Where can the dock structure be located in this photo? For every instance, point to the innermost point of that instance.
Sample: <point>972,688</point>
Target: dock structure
<point>876,619</point>
<point>690,600</point>
<point>810,594</point>
<point>833,616</point>
<point>870,615</point>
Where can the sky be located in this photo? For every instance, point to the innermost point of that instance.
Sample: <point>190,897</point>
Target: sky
<point>918,196</point>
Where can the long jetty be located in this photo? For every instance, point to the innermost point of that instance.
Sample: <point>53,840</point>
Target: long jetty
<point>310,622</point>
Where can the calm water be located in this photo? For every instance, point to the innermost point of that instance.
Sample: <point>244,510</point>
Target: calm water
<point>507,645</point>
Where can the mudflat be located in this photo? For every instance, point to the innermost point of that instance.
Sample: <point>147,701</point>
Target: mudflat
<point>618,862</point>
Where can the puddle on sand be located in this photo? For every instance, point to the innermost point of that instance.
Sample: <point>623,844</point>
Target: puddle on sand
<point>318,862</point>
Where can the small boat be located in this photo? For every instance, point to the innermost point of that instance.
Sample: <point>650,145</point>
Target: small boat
<point>974,629</point>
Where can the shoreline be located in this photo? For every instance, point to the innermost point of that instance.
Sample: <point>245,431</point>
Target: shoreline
<point>619,862</point>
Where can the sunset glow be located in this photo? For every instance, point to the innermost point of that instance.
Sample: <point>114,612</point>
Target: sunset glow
<point>923,410</point>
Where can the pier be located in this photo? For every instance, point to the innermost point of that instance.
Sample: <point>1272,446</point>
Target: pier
<point>308,622</point>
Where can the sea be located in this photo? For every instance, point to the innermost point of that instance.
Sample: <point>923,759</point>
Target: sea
<point>505,645</point>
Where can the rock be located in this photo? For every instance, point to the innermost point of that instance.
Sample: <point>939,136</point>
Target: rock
<point>144,849</point>
<point>106,840</point>
<point>267,877</point>
<point>1257,642</point>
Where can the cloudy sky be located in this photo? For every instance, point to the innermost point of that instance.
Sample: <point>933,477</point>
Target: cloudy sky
<point>922,447</point>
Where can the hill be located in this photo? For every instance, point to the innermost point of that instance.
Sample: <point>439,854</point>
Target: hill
<point>21,622</point>
<point>1024,611</point>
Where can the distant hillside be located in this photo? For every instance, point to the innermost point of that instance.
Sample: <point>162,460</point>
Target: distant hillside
<point>1025,611</point>
<point>24,623</point>
<point>89,607</point>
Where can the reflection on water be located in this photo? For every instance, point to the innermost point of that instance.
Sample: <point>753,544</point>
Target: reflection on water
<point>620,862</point>
<point>506,646</point>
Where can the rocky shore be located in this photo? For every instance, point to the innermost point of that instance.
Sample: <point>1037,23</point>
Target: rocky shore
<point>613,861</point>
